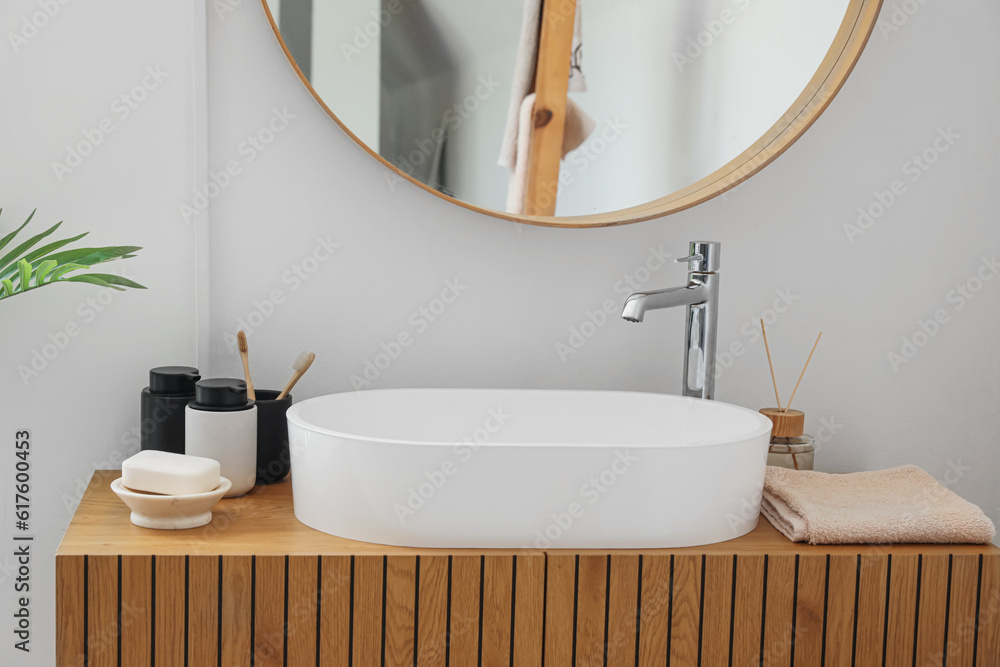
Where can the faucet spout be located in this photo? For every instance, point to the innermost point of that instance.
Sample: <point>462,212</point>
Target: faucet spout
<point>701,297</point>
<point>692,294</point>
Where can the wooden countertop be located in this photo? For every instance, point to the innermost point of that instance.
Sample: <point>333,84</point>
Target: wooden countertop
<point>262,523</point>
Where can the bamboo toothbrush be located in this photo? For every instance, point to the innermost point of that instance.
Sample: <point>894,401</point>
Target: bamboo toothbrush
<point>241,339</point>
<point>301,365</point>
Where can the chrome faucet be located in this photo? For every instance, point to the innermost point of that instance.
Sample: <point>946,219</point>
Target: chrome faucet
<point>701,296</point>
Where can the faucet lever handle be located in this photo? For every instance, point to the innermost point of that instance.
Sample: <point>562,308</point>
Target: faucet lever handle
<point>703,257</point>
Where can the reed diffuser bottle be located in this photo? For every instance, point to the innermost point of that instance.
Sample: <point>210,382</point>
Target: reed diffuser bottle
<point>790,446</point>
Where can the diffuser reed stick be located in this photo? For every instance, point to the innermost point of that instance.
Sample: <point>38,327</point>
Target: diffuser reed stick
<point>774,380</point>
<point>782,428</point>
<point>801,374</point>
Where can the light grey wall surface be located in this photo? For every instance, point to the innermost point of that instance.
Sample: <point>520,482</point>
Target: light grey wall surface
<point>120,85</point>
<point>927,83</point>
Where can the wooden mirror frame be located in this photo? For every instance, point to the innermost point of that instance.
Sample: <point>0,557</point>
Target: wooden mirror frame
<point>856,28</point>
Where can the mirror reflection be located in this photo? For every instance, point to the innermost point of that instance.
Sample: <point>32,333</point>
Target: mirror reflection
<point>560,107</point>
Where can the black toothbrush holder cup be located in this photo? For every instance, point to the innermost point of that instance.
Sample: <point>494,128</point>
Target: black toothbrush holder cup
<point>273,457</point>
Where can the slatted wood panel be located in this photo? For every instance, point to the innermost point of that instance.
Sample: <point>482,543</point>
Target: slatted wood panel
<point>716,610</point>
<point>901,610</point>
<point>962,612</point>
<point>135,609</point>
<point>798,611</point>
<point>591,609</point>
<point>203,626</point>
<point>432,634</point>
<point>529,610</point>
<point>560,610</point>
<point>810,610</point>
<point>937,609</point>
<point>654,605</point>
<point>870,632</point>
<point>932,609</point>
<point>779,610</point>
<point>498,576</point>
<point>236,609</point>
<point>623,610</point>
<point>988,640</point>
<point>367,612</point>
<point>168,610</point>
<point>336,599</point>
<point>102,617</point>
<point>687,592</point>
<point>400,610</point>
<point>841,599</point>
<point>71,621</point>
<point>747,611</point>
<point>268,593</point>
<point>463,629</point>
<point>303,609</point>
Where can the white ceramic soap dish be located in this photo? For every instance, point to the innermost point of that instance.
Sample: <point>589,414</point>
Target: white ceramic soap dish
<point>151,510</point>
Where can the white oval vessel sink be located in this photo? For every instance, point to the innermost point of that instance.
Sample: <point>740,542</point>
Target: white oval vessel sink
<point>537,469</point>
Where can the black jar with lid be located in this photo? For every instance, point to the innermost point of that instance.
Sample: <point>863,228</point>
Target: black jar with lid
<point>170,389</point>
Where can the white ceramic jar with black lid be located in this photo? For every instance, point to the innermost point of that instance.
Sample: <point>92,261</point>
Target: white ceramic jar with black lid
<point>221,424</point>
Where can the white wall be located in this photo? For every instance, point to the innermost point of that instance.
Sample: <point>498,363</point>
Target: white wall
<point>82,407</point>
<point>527,287</point>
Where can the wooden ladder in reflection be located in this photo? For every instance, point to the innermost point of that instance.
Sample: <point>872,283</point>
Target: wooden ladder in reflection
<point>555,47</point>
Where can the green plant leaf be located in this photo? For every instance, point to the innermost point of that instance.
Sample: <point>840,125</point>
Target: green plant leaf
<point>5,240</point>
<point>64,269</point>
<point>16,252</point>
<point>44,269</point>
<point>24,275</point>
<point>55,245</point>
<point>30,260</point>
<point>91,256</point>
<point>105,280</point>
<point>36,257</point>
<point>94,280</point>
<point>82,256</point>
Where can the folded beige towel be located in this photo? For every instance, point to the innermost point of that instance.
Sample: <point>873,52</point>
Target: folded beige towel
<point>880,507</point>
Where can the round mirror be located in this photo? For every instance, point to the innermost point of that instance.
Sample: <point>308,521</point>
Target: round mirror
<point>574,112</point>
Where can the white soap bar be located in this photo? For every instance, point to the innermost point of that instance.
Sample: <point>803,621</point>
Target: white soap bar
<point>170,474</point>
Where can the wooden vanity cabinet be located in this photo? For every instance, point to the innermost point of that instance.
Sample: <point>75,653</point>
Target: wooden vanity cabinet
<point>256,587</point>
